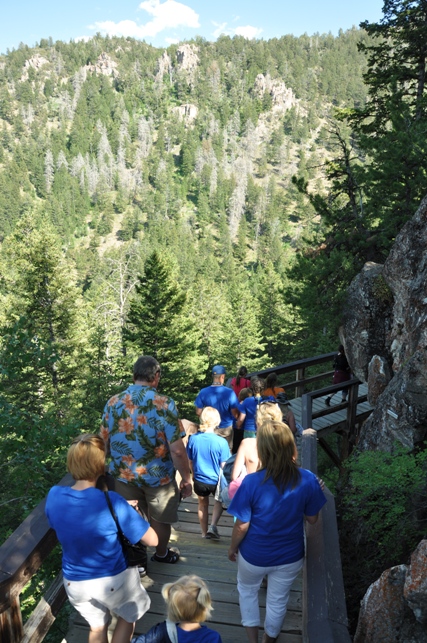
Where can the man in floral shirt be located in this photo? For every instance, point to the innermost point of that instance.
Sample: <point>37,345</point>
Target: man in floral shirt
<point>144,436</point>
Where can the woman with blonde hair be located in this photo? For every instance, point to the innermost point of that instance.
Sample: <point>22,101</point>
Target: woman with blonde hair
<point>189,604</point>
<point>268,536</point>
<point>96,577</point>
<point>207,453</point>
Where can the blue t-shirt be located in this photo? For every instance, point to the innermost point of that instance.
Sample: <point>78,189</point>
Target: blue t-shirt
<point>201,635</point>
<point>222,399</point>
<point>249,408</point>
<point>207,451</point>
<point>87,531</point>
<point>275,535</point>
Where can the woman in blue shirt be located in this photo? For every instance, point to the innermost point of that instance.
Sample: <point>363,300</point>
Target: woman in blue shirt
<point>268,536</point>
<point>248,409</point>
<point>96,577</point>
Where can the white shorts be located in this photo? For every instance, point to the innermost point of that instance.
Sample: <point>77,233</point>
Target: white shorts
<point>122,594</point>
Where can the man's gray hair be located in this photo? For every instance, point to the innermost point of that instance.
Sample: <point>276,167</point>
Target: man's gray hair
<point>146,368</point>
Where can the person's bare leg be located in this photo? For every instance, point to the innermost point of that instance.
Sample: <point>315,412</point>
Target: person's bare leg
<point>268,639</point>
<point>252,633</point>
<point>163,532</point>
<point>123,631</point>
<point>203,513</point>
<point>216,513</point>
<point>98,634</point>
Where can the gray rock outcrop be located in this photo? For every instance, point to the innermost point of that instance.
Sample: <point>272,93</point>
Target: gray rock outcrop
<point>386,317</point>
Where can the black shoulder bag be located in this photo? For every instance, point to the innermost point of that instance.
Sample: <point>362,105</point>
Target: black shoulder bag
<point>135,555</point>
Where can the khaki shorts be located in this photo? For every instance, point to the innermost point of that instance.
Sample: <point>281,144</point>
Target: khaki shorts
<point>122,595</point>
<point>226,433</point>
<point>157,503</point>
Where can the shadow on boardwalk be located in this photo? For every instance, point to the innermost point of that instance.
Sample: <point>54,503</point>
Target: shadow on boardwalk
<point>208,559</point>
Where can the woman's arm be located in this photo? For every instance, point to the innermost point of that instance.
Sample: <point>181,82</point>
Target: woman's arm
<point>290,419</point>
<point>312,519</point>
<point>150,538</point>
<point>239,532</point>
<point>240,420</point>
<point>238,462</point>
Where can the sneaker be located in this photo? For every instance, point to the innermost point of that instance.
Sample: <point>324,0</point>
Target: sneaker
<point>213,532</point>
<point>142,572</point>
<point>328,401</point>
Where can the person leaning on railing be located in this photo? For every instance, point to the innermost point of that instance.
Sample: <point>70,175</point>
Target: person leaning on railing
<point>268,535</point>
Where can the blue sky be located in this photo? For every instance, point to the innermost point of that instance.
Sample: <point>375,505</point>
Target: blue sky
<point>162,22</point>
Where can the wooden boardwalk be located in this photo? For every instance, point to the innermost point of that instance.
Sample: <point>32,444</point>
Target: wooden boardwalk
<point>208,559</point>
<point>328,423</point>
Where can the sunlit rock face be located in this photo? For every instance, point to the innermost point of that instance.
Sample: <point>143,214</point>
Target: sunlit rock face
<point>394,609</point>
<point>386,317</point>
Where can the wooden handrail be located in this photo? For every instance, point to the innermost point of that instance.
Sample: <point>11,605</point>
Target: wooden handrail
<point>21,556</point>
<point>299,367</point>
<point>324,609</point>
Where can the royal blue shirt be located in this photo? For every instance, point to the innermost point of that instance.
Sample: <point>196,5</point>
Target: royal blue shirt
<point>87,531</point>
<point>207,451</point>
<point>276,531</point>
<point>222,399</point>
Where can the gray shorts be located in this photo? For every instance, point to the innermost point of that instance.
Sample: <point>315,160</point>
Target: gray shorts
<point>157,503</point>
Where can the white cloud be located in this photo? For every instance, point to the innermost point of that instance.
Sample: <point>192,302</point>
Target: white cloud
<point>220,28</point>
<point>172,41</point>
<point>166,15</point>
<point>248,32</point>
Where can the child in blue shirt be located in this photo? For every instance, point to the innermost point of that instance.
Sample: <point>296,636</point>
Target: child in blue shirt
<point>189,604</point>
<point>207,453</point>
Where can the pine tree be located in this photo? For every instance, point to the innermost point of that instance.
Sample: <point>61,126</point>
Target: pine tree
<point>159,324</point>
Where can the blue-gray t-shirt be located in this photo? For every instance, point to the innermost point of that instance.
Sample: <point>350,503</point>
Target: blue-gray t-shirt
<point>222,399</point>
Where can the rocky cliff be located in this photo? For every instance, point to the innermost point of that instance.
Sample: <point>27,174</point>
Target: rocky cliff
<point>385,336</point>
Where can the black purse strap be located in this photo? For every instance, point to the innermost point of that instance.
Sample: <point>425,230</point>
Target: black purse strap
<point>113,513</point>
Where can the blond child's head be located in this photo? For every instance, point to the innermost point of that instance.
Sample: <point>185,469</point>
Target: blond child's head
<point>209,419</point>
<point>188,599</point>
<point>268,411</point>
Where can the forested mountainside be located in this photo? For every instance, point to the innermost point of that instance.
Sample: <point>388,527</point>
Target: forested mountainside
<point>208,203</point>
<point>147,205</point>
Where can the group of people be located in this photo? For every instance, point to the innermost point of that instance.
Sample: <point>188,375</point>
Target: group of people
<point>144,438</point>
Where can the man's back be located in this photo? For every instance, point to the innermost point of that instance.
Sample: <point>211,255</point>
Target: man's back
<point>221,398</point>
<point>139,424</point>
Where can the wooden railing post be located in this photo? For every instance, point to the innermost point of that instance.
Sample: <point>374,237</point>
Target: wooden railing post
<point>306,411</point>
<point>300,375</point>
<point>11,629</point>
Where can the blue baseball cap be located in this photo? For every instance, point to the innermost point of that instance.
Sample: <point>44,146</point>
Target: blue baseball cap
<point>219,370</point>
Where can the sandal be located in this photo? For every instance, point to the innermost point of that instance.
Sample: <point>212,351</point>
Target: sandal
<point>171,557</point>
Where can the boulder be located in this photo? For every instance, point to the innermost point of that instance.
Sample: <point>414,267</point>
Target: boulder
<point>379,375</point>
<point>367,319</point>
<point>394,609</point>
<point>386,316</point>
<point>415,588</point>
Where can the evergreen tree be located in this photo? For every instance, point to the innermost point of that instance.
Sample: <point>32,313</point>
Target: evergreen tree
<point>392,126</point>
<point>159,324</point>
